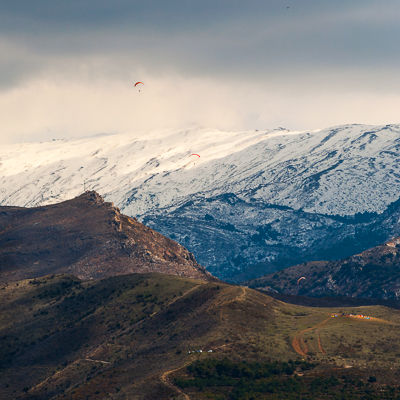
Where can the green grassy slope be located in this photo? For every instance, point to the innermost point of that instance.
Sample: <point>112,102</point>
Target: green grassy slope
<point>126,337</point>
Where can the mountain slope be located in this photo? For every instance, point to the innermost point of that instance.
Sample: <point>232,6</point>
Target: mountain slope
<point>87,237</point>
<point>267,199</point>
<point>117,338</point>
<point>374,273</point>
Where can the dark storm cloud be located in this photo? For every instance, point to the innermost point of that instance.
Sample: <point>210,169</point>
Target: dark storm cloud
<point>66,66</point>
<point>160,13</point>
<point>225,37</point>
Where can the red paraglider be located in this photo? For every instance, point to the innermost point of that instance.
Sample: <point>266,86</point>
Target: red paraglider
<point>195,155</point>
<point>138,87</point>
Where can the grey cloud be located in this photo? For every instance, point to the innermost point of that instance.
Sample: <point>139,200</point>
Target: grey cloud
<point>226,39</point>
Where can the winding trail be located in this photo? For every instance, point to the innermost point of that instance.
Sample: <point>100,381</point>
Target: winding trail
<point>242,295</point>
<point>164,379</point>
<point>165,375</point>
<point>99,361</point>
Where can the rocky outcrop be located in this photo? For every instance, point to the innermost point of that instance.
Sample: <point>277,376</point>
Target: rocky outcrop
<point>89,238</point>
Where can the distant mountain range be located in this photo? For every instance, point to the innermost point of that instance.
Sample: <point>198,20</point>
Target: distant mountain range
<point>86,237</point>
<point>374,273</point>
<point>252,203</point>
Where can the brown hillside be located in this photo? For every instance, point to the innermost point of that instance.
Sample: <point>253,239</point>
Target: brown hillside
<point>89,238</point>
<point>374,273</point>
<point>127,337</point>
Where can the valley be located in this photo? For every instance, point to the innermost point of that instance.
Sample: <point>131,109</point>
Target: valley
<point>373,274</point>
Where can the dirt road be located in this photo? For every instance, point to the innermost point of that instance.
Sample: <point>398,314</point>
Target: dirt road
<point>300,347</point>
<point>167,382</point>
<point>321,349</point>
<point>298,343</point>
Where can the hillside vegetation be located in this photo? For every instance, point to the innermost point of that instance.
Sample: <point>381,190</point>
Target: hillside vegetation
<point>373,273</point>
<point>127,337</point>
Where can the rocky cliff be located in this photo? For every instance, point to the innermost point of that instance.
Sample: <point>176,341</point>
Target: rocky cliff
<point>89,238</point>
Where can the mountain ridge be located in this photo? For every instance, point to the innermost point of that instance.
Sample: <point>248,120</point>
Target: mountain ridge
<point>318,183</point>
<point>373,273</point>
<point>89,238</point>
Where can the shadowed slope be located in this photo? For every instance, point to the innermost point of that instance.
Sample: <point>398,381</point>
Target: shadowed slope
<point>374,273</point>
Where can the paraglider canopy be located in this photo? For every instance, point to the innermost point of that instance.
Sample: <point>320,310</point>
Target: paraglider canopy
<point>298,280</point>
<point>138,85</point>
<point>195,155</point>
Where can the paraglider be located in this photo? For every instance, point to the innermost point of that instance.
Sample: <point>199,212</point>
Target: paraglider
<point>137,84</point>
<point>193,158</point>
<point>298,280</point>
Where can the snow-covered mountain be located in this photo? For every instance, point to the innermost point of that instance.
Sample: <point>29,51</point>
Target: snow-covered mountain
<point>253,201</point>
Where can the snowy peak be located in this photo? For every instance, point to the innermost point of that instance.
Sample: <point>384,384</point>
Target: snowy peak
<point>322,171</point>
<point>248,198</point>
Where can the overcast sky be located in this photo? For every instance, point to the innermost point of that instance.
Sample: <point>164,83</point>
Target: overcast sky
<point>67,67</point>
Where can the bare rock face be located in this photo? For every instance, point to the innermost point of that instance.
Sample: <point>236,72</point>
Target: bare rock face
<point>89,238</point>
<point>374,273</point>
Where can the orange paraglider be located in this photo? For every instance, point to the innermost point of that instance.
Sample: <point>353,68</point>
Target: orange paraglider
<point>298,280</point>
